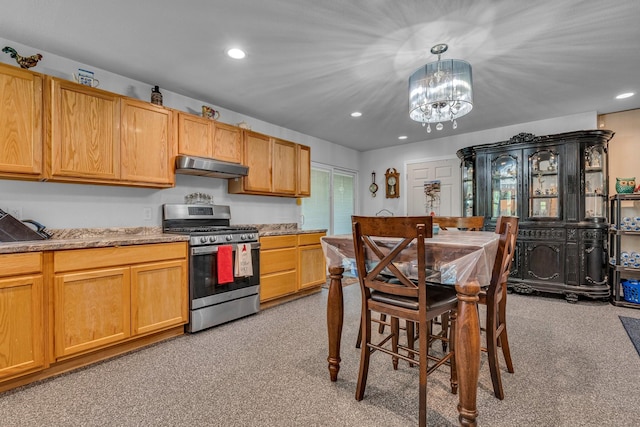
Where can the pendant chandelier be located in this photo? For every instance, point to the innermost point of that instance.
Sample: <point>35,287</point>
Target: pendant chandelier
<point>440,91</point>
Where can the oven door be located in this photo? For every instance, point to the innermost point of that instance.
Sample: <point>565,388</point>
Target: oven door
<point>203,277</point>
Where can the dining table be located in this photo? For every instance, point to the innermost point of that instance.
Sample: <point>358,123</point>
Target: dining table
<point>463,259</point>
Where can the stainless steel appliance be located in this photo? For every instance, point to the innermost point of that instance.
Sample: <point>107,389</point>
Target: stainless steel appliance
<point>208,226</point>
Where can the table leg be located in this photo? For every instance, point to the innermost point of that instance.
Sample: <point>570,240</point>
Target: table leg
<point>467,351</point>
<point>335,314</point>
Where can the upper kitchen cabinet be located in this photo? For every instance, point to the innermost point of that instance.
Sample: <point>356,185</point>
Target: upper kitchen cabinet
<point>202,137</point>
<point>304,171</point>
<point>148,143</point>
<point>95,136</point>
<point>557,186</point>
<point>20,123</point>
<point>275,167</point>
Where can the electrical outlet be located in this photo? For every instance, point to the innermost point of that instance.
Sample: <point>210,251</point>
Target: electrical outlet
<point>16,212</point>
<point>146,214</point>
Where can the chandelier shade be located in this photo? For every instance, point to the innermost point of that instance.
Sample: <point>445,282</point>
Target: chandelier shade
<point>440,91</point>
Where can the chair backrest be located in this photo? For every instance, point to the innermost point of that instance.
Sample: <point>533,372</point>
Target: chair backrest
<point>507,227</point>
<point>405,231</point>
<point>471,223</point>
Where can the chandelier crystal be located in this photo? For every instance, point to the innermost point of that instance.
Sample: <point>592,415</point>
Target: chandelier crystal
<point>440,91</point>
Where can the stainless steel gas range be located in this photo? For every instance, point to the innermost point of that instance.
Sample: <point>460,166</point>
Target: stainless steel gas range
<point>215,246</point>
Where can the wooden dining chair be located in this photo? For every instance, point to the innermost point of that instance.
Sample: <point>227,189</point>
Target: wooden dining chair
<point>470,223</point>
<point>495,300</point>
<point>386,289</point>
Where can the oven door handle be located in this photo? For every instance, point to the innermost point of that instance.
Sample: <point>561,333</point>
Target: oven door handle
<point>211,249</point>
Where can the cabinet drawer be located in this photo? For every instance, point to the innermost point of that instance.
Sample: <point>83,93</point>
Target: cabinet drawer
<point>309,239</point>
<point>277,260</point>
<point>83,259</point>
<point>273,242</point>
<point>277,285</point>
<point>24,263</point>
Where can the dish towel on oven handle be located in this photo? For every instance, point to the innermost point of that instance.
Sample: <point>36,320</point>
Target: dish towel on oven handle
<point>243,267</point>
<point>225,264</point>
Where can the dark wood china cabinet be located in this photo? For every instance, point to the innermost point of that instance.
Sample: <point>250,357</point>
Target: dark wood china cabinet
<point>557,185</point>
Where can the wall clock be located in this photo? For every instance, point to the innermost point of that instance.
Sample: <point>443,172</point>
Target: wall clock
<point>373,187</point>
<point>392,183</point>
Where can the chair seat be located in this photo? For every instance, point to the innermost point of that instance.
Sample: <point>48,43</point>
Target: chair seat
<point>437,297</point>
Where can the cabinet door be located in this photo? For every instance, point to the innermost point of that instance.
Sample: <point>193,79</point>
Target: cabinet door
<point>257,156</point>
<point>505,171</point>
<point>147,143</point>
<point>544,187</point>
<point>84,135</point>
<point>285,169</point>
<point>92,309</point>
<point>545,261</point>
<point>21,325</point>
<point>311,266</point>
<point>227,143</point>
<point>304,171</point>
<point>159,296</point>
<point>194,135</point>
<point>20,122</point>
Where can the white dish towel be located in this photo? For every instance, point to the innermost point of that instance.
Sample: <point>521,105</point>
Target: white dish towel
<point>243,265</point>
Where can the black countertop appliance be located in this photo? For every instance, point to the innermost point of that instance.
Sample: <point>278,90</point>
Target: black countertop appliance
<point>14,230</point>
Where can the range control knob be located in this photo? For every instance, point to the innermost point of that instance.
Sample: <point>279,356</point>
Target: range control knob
<point>203,239</point>
<point>229,237</point>
<point>212,239</point>
<point>243,237</point>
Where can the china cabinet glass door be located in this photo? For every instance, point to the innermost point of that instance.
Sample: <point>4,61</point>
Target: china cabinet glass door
<point>468,192</point>
<point>595,199</point>
<point>504,185</point>
<point>544,192</point>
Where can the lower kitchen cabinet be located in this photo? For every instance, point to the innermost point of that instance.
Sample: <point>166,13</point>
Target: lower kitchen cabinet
<point>278,275</point>
<point>290,264</point>
<point>22,308</point>
<point>312,270</point>
<point>104,296</point>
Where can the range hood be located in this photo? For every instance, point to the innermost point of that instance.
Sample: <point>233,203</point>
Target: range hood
<point>192,165</point>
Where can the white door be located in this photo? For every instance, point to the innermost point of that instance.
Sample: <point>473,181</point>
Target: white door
<point>434,186</point>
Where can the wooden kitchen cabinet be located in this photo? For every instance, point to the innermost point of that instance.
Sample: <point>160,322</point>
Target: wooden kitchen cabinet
<point>312,270</point>
<point>104,296</point>
<point>22,308</point>
<point>278,274</point>
<point>21,131</point>
<point>304,171</point>
<point>95,136</point>
<point>198,136</point>
<point>285,169</point>
<point>83,133</point>
<point>275,168</point>
<point>158,297</point>
<point>147,143</point>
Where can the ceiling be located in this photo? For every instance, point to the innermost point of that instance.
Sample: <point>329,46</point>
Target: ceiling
<point>310,63</point>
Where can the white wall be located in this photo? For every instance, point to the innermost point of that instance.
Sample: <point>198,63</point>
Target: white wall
<point>401,154</point>
<point>79,205</point>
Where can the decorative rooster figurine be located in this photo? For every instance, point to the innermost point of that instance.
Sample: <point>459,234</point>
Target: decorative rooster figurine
<point>23,61</point>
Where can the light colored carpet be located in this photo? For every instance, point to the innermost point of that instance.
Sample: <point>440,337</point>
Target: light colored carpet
<point>575,366</point>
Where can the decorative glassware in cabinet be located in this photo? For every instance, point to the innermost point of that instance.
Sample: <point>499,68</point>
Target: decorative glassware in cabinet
<point>595,200</point>
<point>504,186</point>
<point>543,184</point>
<point>467,187</point>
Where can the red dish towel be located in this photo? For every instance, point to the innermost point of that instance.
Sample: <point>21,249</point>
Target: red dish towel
<point>225,264</point>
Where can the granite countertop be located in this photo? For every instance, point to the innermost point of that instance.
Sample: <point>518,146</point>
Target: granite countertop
<point>283,229</point>
<point>79,238</point>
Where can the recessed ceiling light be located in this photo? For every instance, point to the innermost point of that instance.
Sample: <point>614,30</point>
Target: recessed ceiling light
<point>236,53</point>
<point>625,95</point>
<point>402,137</point>
<point>356,114</point>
